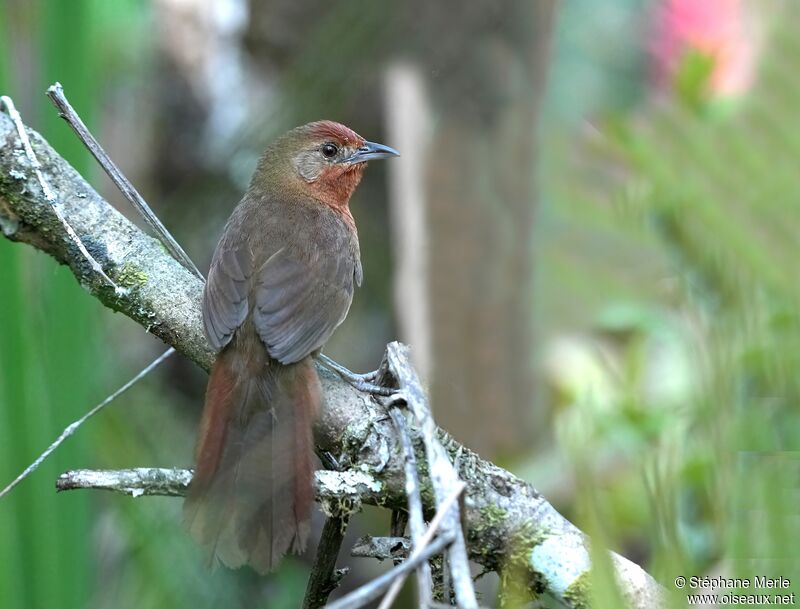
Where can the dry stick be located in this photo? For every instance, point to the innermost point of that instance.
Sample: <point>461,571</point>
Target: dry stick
<point>441,513</point>
<point>348,486</point>
<point>66,111</point>
<point>372,590</point>
<point>323,579</point>
<point>74,425</point>
<point>416,522</point>
<point>136,482</point>
<point>49,196</point>
<point>444,477</point>
<point>329,485</point>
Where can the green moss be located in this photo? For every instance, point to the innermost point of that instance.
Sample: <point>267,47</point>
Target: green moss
<point>340,507</point>
<point>492,515</point>
<point>518,588</point>
<point>579,592</point>
<point>519,584</point>
<point>523,541</point>
<point>131,276</point>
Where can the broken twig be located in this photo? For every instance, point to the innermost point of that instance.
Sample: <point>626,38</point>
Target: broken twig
<point>67,112</point>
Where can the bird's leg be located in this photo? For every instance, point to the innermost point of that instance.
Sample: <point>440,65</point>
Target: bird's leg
<point>345,373</point>
<point>362,382</point>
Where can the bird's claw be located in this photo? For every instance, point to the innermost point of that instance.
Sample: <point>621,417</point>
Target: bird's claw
<point>371,387</point>
<point>362,382</point>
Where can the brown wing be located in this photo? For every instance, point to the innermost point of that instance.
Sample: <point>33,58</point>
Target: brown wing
<point>225,302</point>
<point>300,294</point>
<point>300,299</point>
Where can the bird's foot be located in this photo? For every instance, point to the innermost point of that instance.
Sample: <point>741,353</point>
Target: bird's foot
<point>362,382</point>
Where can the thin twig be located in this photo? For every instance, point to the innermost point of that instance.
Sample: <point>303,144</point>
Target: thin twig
<point>416,522</point>
<point>443,475</point>
<point>50,196</point>
<point>372,590</point>
<point>136,482</point>
<point>349,487</point>
<point>323,580</point>
<point>67,112</point>
<point>70,429</point>
<point>438,518</point>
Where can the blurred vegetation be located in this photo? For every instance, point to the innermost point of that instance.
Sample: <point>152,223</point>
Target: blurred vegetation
<point>49,348</point>
<point>666,295</point>
<point>685,422</point>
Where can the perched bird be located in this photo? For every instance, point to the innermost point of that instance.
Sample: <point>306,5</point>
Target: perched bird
<point>281,281</point>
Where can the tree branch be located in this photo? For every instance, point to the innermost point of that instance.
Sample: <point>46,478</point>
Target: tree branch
<point>372,589</point>
<point>336,491</point>
<point>415,518</point>
<point>65,110</point>
<point>444,478</point>
<point>508,524</point>
<point>324,577</point>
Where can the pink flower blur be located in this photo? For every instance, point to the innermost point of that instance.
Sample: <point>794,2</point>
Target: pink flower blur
<point>715,28</point>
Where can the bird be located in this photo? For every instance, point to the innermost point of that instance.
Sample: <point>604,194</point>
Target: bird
<point>281,280</point>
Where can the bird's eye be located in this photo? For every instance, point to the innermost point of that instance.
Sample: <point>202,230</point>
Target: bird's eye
<point>329,151</point>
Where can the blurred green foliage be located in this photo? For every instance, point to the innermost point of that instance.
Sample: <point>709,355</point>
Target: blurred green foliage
<point>710,190</point>
<point>53,354</point>
<point>48,358</point>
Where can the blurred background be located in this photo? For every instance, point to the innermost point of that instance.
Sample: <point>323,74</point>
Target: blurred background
<point>590,242</point>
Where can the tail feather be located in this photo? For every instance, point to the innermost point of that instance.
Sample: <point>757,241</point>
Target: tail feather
<point>250,499</point>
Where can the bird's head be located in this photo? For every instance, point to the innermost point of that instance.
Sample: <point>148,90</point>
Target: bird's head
<point>326,160</point>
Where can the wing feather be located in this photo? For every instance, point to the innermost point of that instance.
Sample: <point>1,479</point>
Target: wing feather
<point>298,296</point>
<point>300,302</point>
<point>225,302</point>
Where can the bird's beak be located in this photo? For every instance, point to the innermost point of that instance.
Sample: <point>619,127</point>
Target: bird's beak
<point>371,151</point>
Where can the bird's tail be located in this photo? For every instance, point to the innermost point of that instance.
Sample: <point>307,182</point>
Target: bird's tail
<point>250,499</point>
